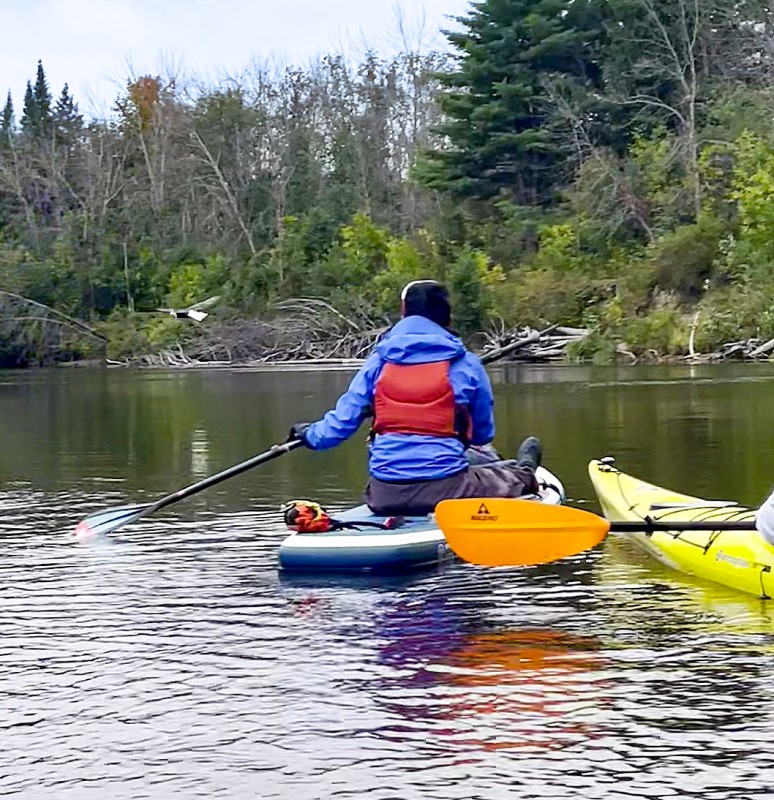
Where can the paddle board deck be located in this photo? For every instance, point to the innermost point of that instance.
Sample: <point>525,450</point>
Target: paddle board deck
<point>418,543</point>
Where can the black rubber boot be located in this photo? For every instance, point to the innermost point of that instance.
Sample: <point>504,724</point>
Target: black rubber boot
<point>530,453</point>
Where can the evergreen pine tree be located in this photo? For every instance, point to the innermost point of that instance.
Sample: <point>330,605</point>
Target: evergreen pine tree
<point>36,118</point>
<point>6,121</point>
<point>30,121</point>
<point>497,109</point>
<point>42,97</point>
<point>67,121</point>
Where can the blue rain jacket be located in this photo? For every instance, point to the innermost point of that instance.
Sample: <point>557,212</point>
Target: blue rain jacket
<point>411,457</point>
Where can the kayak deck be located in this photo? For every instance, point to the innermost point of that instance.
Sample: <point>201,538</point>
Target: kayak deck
<point>418,543</point>
<point>739,559</point>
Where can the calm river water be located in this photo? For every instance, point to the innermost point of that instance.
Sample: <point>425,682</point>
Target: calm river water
<point>175,662</point>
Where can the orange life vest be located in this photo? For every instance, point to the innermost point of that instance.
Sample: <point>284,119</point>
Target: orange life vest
<point>419,399</point>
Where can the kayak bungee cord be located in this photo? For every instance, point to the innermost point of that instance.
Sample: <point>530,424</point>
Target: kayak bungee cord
<point>740,559</point>
<point>663,518</point>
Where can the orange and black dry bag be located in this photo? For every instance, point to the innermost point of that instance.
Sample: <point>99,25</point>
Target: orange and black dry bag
<point>306,516</point>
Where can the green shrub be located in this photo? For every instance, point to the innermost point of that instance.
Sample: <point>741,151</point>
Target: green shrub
<point>664,329</point>
<point>191,282</point>
<point>686,257</point>
<point>131,335</point>
<point>732,313</point>
<point>472,282</point>
<point>540,297</point>
<point>597,347</point>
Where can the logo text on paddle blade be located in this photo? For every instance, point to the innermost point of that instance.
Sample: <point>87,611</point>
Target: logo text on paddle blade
<point>483,515</point>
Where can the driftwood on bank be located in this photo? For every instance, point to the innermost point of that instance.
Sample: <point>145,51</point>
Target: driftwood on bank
<point>525,344</point>
<point>301,330</point>
<point>744,350</point>
<point>762,350</point>
<point>305,332</point>
<point>310,331</point>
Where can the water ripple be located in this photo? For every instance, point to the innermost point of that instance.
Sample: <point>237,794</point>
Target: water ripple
<point>175,661</point>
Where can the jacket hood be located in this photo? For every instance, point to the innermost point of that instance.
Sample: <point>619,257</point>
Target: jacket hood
<point>418,340</point>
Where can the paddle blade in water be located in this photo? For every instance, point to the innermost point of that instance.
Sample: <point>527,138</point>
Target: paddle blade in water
<point>104,522</point>
<point>499,532</point>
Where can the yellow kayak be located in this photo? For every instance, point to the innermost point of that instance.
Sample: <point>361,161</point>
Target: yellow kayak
<point>739,559</point>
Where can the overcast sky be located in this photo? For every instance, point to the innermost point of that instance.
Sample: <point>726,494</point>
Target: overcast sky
<point>95,44</point>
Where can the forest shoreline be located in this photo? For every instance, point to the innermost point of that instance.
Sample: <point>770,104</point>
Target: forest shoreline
<point>333,340</point>
<point>633,203</point>
<point>336,365</point>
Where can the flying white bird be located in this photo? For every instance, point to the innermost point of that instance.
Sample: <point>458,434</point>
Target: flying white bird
<point>195,312</point>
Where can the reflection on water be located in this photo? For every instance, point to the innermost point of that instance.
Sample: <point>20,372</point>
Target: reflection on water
<point>177,662</point>
<point>537,689</point>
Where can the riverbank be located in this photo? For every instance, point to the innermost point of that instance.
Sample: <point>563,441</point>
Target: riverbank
<point>312,332</point>
<point>253,343</point>
<point>525,346</point>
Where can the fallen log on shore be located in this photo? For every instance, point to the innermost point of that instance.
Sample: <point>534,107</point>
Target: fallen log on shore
<point>549,344</point>
<point>327,338</point>
<point>743,350</point>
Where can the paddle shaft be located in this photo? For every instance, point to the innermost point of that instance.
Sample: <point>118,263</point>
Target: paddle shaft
<point>275,452</point>
<point>651,526</point>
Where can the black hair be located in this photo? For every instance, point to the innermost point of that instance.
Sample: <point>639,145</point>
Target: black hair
<point>428,299</point>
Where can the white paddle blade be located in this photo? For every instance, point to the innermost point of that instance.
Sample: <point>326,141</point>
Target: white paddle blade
<point>104,522</point>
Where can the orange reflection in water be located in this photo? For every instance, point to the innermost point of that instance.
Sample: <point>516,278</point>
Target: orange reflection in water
<point>542,689</point>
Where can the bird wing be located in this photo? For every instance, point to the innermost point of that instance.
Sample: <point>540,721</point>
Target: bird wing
<point>208,303</point>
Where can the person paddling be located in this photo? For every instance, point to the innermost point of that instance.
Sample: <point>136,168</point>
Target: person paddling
<point>433,412</point>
